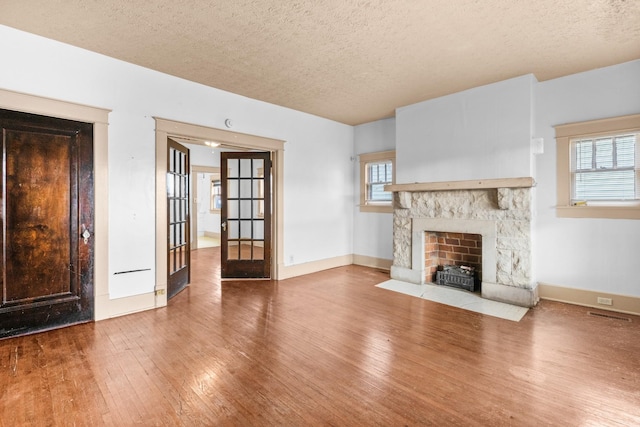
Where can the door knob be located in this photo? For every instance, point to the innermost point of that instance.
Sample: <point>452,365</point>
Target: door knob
<point>85,235</point>
<point>224,226</point>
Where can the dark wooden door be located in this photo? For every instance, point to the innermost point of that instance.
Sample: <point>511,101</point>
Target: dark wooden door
<point>47,223</point>
<point>178,244</point>
<point>246,215</point>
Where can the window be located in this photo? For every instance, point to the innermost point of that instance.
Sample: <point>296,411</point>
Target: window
<point>604,168</point>
<point>376,171</point>
<point>379,174</point>
<point>216,201</point>
<point>599,168</point>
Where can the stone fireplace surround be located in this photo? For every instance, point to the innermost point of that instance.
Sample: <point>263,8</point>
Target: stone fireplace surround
<point>498,209</point>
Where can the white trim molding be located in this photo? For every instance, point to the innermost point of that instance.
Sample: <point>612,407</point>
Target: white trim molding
<point>587,298</point>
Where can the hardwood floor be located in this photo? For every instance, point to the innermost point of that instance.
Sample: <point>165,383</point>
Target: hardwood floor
<point>324,349</point>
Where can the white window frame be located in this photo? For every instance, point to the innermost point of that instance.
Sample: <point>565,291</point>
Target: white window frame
<point>567,133</point>
<point>365,160</point>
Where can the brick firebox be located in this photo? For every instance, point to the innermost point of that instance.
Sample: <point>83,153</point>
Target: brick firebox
<point>446,248</point>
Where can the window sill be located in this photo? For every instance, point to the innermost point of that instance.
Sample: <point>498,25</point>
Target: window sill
<point>611,212</point>
<point>376,208</point>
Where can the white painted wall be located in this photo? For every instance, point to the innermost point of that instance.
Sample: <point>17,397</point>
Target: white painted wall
<point>593,254</point>
<point>373,232</point>
<point>201,155</point>
<point>481,133</point>
<point>319,193</point>
<point>318,185</point>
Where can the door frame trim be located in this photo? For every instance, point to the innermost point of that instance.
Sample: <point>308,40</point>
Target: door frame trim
<point>104,307</point>
<point>166,128</point>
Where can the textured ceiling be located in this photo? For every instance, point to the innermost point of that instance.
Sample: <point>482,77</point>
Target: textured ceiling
<point>353,61</point>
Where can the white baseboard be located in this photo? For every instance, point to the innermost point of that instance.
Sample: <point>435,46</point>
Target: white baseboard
<point>619,303</point>
<point>313,267</point>
<point>107,308</point>
<point>368,261</point>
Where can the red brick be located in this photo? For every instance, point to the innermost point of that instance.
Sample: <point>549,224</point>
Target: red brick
<point>468,243</point>
<point>475,237</point>
<point>450,248</point>
<point>472,259</point>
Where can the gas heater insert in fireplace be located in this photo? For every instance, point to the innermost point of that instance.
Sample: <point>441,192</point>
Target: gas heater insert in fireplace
<point>457,276</point>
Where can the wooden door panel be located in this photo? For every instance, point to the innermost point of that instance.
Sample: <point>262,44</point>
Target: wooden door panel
<point>40,247</point>
<point>47,202</point>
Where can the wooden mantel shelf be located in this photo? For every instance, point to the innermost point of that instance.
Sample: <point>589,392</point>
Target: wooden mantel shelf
<point>480,184</point>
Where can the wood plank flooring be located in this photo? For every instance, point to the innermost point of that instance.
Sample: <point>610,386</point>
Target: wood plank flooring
<point>323,349</point>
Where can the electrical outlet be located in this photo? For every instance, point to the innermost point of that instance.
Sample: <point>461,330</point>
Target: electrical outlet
<point>605,301</point>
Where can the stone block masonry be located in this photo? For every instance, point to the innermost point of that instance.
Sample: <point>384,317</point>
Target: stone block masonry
<point>501,215</point>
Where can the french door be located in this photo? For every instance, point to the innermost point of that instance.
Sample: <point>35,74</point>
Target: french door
<point>178,233</point>
<point>246,214</point>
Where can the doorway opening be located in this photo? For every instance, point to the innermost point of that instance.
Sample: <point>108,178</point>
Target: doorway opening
<point>47,223</point>
<point>238,141</point>
<point>104,306</point>
<point>205,204</point>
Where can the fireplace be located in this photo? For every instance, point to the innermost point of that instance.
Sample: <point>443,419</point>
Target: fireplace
<point>497,210</point>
